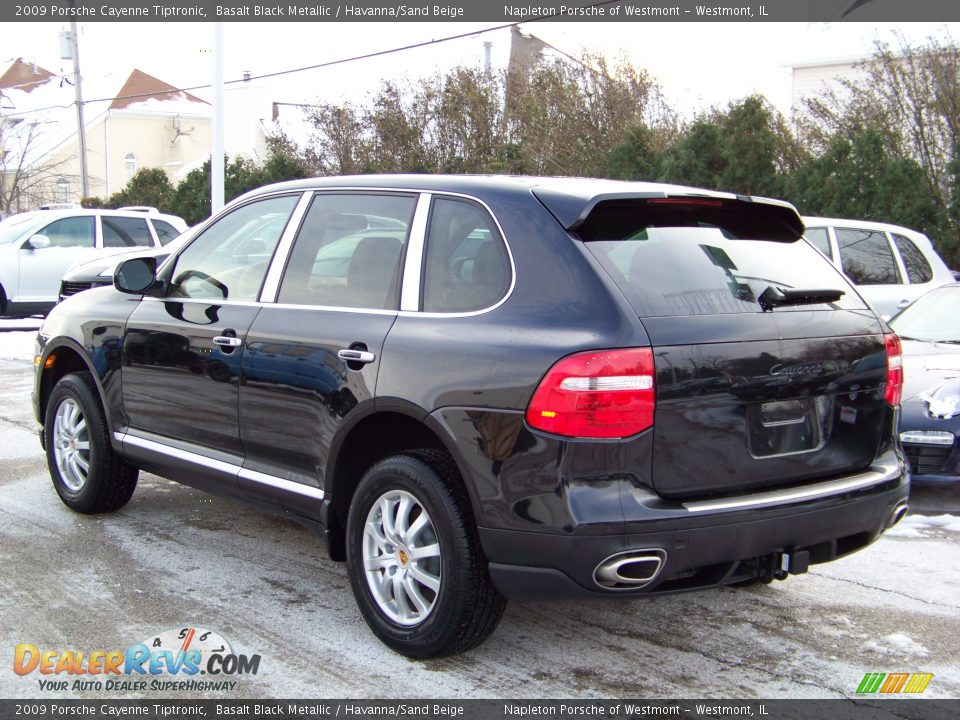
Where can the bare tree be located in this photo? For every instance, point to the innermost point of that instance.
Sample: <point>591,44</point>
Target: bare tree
<point>28,179</point>
<point>337,143</point>
<point>913,94</point>
<point>558,117</point>
<point>566,114</point>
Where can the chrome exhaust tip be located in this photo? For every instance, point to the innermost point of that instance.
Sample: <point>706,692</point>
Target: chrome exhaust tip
<point>897,514</point>
<point>630,570</point>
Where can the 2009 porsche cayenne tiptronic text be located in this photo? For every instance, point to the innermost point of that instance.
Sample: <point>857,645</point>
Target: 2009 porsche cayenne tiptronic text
<point>479,388</point>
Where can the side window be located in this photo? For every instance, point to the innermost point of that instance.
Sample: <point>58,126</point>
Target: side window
<point>229,260</point>
<point>866,257</point>
<point>165,231</point>
<point>820,239</point>
<point>918,269</point>
<point>467,266</point>
<point>124,232</point>
<point>71,232</point>
<point>348,251</point>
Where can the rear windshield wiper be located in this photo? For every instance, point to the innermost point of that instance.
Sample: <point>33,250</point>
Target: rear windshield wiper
<point>775,297</point>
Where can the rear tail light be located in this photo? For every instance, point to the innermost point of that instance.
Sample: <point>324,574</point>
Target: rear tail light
<point>602,394</point>
<point>894,387</point>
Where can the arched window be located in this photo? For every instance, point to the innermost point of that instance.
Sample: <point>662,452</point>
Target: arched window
<point>129,166</point>
<point>63,190</point>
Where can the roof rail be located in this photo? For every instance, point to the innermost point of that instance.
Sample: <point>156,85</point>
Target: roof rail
<point>140,208</point>
<point>60,206</point>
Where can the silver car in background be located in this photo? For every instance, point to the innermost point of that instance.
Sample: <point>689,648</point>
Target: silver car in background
<point>36,248</point>
<point>890,265</point>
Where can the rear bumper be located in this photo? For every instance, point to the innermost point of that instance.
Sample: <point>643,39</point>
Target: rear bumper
<point>706,544</point>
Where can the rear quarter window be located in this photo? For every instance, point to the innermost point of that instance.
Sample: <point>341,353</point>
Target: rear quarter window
<point>918,269</point>
<point>165,231</point>
<point>467,267</point>
<point>820,239</point>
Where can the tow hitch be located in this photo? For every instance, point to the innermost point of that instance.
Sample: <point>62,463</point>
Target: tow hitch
<point>778,565</point>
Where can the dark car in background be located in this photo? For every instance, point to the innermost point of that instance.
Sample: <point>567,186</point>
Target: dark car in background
<point>930,419</point>
<point>487,387</point>
<point>99,271</point>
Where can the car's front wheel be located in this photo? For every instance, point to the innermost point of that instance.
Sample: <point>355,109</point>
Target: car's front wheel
<point>87,474</point>
<point>415,562</point>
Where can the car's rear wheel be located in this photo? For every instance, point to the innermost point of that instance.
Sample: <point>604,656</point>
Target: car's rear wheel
<point>87,474</point>
<point>415,562</point>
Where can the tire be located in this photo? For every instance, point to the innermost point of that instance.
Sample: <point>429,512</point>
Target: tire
<point>87,474</point>
<point>442,602</point>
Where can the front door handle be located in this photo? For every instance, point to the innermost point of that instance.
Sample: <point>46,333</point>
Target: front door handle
<point>360,356</point>
<point>227,341</point>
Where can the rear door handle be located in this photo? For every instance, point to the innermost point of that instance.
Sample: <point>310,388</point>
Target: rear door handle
<point>903,303</point>
<point>227,341</point>
<point>360,356</point>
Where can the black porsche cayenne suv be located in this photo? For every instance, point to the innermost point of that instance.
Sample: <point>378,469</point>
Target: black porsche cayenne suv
<point>488,387</point>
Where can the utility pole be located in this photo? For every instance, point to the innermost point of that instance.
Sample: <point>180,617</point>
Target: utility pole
<point>216,156</point>
<point>81,128</point>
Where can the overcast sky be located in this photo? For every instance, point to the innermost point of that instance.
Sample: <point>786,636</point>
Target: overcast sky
<point>698,64</point>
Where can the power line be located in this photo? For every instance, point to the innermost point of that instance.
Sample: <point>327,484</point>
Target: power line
<point>331,63</point>
<point>280,73</point>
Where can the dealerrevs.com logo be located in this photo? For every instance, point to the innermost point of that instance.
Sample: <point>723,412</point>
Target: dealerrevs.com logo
<point>181,659</point>
<point>894,683</point>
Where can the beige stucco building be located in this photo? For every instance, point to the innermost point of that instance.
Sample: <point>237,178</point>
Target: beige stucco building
<point>167,129</point>
<point>148,124</point>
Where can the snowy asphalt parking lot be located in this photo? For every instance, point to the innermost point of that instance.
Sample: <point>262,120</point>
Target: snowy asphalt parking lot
<point>175,557</point>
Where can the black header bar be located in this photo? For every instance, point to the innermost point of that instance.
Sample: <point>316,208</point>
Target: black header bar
<point>482,11</point>
<point>899,708</point>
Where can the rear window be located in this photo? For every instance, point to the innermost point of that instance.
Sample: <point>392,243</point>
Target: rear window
<point>125,232</point>
<point>866,257</point>
<point>703,270</point>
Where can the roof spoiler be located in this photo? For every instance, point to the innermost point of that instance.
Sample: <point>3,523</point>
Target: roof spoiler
<point>741,215</point>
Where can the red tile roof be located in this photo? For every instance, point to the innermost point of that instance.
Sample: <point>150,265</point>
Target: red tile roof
<point>141,87</point>
<point>24,76</point>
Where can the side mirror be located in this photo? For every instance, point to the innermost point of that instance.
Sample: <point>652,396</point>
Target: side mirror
<point>37,242</point>
<point>136,276</point>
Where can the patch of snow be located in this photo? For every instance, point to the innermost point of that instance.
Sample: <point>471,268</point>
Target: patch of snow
<point>896,644</point>
<point>17,444</point>
<point>179,104</point>
<point>18,344</point>
<point>916,526</point>
<point>904,530</point>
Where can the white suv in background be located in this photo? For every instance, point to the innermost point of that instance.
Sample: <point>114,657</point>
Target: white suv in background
<point>890,265</point>
<point>36,248</point>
